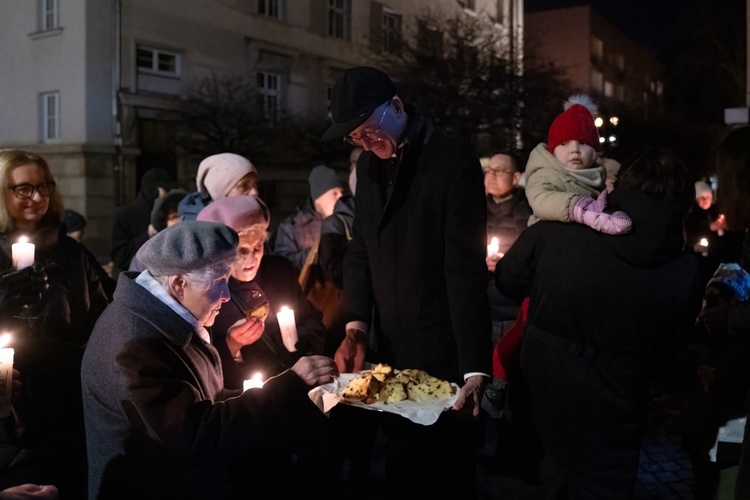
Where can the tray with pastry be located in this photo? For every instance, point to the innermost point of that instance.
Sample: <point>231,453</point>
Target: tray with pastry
<point>411,393</point>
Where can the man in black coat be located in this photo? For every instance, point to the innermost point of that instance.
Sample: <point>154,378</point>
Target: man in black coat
<point>603,312</point>
<point>417,256</point>
<point>130,226</point>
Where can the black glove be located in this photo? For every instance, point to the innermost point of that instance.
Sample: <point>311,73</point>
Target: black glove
<point>24,286</point>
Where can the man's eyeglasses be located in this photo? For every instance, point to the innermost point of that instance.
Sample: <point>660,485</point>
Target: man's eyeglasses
<point>370,135</point>
<point>26,191</point>
<point>498,172</point>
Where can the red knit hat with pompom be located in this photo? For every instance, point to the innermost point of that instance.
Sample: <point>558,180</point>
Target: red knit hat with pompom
<point>576,123</point>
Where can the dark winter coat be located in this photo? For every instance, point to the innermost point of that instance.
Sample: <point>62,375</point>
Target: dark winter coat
<point>603,310</point>
<point>335,233</point>
<point>190,206</point>
<point>297,233</point>
<point>278,280</point>
<point>159,423</point>
<point>418,255</point>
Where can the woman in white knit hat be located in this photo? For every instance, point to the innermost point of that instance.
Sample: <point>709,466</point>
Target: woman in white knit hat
<point>220,176</point>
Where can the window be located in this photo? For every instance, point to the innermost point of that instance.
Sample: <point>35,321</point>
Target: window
<point>49,15</point>
<point>468,4</point>
<point>391,27</point>
<point>429,39</point>
<point>597,80</point>
<point>269,95</point>
<point>621,62</point>
<point>339,18</point>
<point>597,48</point>
<point>51,117</point>
<point>270,8</point>
<point>609,89</point>
<point>620,93</point>
<point>659,88</point>
<point>157,61</point>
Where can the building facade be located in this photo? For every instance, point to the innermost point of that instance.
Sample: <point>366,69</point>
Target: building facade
<point>97,87</point>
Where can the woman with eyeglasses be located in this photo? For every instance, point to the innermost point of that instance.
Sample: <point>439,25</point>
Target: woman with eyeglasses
<point>49,309</point>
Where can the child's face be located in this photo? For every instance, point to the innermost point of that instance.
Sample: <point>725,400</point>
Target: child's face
<point>575,155</point>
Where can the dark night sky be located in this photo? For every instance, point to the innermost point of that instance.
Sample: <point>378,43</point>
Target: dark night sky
<point>650,22</point>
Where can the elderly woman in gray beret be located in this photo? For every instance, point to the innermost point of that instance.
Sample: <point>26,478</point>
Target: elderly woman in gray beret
<point>159,423</point>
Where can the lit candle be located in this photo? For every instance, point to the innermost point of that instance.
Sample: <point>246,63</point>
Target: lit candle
<point>6,375</point>
<point>255,382</point>
<point>493,249</point>
<point>704,245</point>
<point>288,328</point>
<point>22,253</point>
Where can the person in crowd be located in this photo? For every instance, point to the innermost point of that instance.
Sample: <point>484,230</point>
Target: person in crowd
<point>417,257</point>
<point>75,225</point>
<point>702,227</point>
<point>50,308</point>
<point>219,176</point>
<point>508,214</point>
<point>588,364</point>
<point>159,422</point>
<point>255,345</point>
<point>726,309</point>
<point>564,175</point>
<point>130,225</point>
<point>300,232</point>
<point>164,214</point>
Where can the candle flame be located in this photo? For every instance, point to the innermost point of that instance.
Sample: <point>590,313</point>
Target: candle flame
<point>5,339</point>
<point>495,241</point>
<point>23,239</point>
<point>704,242</point>
<point>284,308</point>
<point>255,382</point>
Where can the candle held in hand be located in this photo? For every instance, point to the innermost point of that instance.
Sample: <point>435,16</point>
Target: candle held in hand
<point>288,328</point>
<point>22,253</point>
<point>6,376</point>
<point>255,382</point>
<point>493,249</point>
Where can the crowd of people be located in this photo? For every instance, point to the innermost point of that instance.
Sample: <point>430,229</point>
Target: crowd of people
<point>553,292</point>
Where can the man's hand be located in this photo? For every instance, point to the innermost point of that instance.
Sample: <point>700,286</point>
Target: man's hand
<point>315,370</point>
<point>245,333</point>
<point>470,396</point>
<point>350,356</point>
<point>30,492</point>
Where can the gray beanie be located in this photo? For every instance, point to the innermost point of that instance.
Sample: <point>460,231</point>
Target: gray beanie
<point>188,246</point>
<point>322,179</point>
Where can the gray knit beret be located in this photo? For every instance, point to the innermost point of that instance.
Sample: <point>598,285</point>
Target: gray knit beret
<point>188,246</point>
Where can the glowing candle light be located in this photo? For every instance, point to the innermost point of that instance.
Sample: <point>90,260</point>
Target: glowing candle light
<point>6,375</point>
<point>22,253</point>
<point>493,249</point>
<point>255,382</point>
<point>704,246</point>
<point>288,328</point>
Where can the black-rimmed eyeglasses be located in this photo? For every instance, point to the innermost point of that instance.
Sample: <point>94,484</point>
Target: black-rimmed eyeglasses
<point>370,135</point>
<point>26,191</point>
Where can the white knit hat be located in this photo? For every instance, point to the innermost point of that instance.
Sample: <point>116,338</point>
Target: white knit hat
<point>218,174</point>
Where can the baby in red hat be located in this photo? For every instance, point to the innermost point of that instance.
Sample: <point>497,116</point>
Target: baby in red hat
<point>566,178</point>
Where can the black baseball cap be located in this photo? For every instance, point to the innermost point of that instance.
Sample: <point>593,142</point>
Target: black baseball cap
<point>357,93</point>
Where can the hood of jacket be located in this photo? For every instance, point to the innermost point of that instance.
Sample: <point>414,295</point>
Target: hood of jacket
<point>656,236</point>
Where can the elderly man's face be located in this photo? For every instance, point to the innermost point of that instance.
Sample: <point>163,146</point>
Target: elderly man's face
<point>382,131</point>
<point>501,175</point>
<point>204,304</point>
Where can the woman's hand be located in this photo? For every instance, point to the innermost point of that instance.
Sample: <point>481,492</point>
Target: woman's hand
<point>315,370</point>
<point>244,333</point>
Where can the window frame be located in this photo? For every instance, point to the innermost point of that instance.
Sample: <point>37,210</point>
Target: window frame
<point>50,115</point>
<point>344,13</point>
<point>266,95</point>
<point>155,60</point>
<point>388,32</point>
<point>266,6</point>
<point>49,15</point>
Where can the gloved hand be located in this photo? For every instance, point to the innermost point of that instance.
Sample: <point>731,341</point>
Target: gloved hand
<point>589,211</point>
<point>24,286</point>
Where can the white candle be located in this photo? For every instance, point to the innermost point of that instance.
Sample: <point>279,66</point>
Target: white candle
<point>494,247</point>
<point>288,328</point>
<point>255,382</point>
<point>704,243</point>
<point>6,376</point>
<point>22,253</point>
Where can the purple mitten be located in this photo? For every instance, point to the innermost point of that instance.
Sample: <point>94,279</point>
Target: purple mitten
<point>587,211</point>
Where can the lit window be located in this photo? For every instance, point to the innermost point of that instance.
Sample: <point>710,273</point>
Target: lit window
<point>269,95</point>
<point>49,15</point>
<point>391,26</point>
<point>339,18</point>
<point>51,117</point>
<point>609,89</point>
<point>659,88</point>
<point>157,61</point>
<point>270,8</point>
